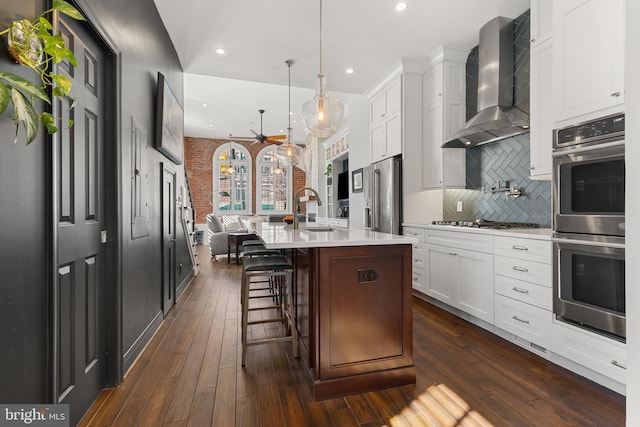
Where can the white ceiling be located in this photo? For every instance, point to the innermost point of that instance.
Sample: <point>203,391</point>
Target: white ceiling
<point>258,35</point>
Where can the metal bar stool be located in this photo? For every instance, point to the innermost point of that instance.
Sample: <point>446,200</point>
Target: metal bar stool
<point>279,272</point>
<point>261,251</point>
<point>252,242</point>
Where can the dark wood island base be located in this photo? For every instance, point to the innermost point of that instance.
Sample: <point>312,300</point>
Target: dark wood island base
<point>353,313</point>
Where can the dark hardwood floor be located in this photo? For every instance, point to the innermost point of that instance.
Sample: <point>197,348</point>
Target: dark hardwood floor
<point>190,375</point>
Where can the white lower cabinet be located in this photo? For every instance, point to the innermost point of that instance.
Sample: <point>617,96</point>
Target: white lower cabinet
<point>418,266</point>
<point>460,277</point>
<point>528,271</point>
<point>443,274</point>
<point>417,280</point>
<point>418,260</point>
<point>598,353</point>
<point>523,320</point>
<point>523,293</point>
<point>507,282</point>
<point>529,293</point>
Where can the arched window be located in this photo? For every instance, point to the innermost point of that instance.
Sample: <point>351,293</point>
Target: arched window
<point>273,183</point>
<point>231,179</point>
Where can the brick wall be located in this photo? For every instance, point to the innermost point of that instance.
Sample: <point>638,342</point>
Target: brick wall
<point>198,154</point>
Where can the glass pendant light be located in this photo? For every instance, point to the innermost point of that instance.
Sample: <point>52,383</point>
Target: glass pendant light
<point>288,151</point>
<point>322,115</point>
<point>230,169</point>
<point>278,169</point>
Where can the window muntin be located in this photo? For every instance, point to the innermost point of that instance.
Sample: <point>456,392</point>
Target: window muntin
<point>273,190</point>
<point>231,191</point>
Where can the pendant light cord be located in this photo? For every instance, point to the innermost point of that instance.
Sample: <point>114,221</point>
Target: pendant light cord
<point>289,63</point>
<point>320,36</point>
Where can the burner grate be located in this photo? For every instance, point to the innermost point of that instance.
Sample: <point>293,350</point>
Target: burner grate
<point>481,223</point>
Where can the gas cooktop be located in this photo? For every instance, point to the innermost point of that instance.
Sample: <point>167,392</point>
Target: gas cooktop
<point>483,223</point>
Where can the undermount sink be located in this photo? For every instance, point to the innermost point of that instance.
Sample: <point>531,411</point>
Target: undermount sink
<point>319,229</point>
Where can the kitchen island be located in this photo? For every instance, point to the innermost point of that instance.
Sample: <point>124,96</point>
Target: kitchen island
<point>352,298</point>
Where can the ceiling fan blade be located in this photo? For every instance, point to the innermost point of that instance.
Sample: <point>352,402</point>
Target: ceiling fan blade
<point>254,132</point>
<point>275,137</point>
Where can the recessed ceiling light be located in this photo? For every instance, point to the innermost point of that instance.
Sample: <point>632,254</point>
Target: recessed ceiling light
<point>349,71</point>
<point>401,6</point>
<point>204,104</point>
<point>211,125</point>
<point>220,51</point>
<point>281,130</point>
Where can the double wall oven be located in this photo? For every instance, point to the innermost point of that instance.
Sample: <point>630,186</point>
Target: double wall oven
<point>589,225</point>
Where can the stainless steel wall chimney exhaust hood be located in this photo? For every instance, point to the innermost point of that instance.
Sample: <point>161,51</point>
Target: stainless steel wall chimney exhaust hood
<point>496,118</point>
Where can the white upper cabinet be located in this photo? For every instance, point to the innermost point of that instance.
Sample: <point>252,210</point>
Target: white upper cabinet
<point>394,111</point>
<point>541,99</point>
<point>444,106</point>
<point>588,59</point>
<point>541,20</point>
<point>386,121</point>
<point>387,101</point>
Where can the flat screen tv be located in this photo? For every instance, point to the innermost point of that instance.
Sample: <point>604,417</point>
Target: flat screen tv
<point>169,123</point>
<point>343,185</point>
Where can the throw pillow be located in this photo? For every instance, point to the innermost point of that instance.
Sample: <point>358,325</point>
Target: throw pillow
<point>216,226</point>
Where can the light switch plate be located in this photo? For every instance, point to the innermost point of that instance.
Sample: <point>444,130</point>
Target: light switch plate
<point>459,206</point>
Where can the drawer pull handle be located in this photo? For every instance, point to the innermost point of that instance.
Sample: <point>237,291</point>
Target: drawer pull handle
<point>522,291</point>
<point>615,94</point>
<point>453,253</point>
<point>521,269</point>
<point>618,364</point>
<point>522,321</point>
<point>520,248</point>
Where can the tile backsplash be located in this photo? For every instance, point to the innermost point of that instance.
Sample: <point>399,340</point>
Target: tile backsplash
<point>501,161</point>
<point>505,161</point>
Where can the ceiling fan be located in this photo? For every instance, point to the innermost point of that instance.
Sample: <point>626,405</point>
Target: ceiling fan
<point>260,137</point>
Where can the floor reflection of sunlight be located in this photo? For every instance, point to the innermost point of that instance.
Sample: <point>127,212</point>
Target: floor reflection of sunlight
<point>439,406</point>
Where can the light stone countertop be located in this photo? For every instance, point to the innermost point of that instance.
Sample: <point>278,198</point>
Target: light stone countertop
<point>283,236</point>
<point>527,233</point>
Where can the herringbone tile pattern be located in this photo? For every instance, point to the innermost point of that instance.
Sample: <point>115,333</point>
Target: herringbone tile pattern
<point>505,161</point>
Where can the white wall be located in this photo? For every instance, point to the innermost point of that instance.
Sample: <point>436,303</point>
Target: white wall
<point>632,153</point>
<point>420,206</point>
<point>359,153</point>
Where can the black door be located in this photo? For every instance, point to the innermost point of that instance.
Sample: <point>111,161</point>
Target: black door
<point>80,224</point>
<point>168,237</point>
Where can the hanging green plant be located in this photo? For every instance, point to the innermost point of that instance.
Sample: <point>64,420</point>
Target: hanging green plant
<point>33,45</point>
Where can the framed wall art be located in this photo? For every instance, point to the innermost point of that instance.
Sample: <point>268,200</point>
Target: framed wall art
<point>169,123</point>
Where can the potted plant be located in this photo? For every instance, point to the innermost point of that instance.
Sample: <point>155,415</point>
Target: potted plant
<point>33,45</point>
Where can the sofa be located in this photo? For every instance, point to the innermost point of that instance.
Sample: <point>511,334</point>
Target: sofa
<point>218,228</point>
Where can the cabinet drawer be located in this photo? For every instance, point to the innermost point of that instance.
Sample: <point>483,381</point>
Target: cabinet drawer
<point>601,354</point>
<point>418,261</point>
<point>531,250</point>
<point>414,232</point>
<point>530,293</point>
<point>524,320</point>
<point>520,269</point>
<point>460,239</point>
<point>418,280</point>
<point>417,250</point>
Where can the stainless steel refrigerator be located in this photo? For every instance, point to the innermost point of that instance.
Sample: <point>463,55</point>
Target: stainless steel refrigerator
<point>381,184</point>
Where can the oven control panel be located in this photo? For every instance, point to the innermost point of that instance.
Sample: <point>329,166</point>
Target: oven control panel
<point>599,130</point>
